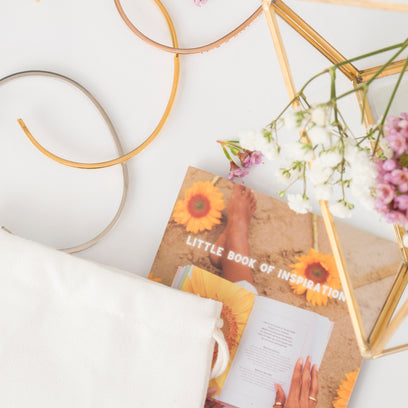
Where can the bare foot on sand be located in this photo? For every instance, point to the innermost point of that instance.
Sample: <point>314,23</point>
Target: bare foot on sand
<point>234,238</point>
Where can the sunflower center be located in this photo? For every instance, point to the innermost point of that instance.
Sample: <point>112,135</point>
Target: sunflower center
<point>316,272</point>
<point>199,206</point>
<point>230,328</point>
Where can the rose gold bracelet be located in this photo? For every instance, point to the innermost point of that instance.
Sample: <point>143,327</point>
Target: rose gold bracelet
<point>124,157</point>
<point>177,50</point>
<point>115,137</point>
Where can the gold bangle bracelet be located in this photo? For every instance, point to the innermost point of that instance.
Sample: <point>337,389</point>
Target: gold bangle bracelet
<point>195,50</point>
<point>143,145</point>
<point>116,140</point>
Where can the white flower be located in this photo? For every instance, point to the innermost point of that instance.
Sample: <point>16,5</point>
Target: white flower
<point>319,174</point>
<point>363,195</point>
<point>319,116</point>
<point>299,204</point>
<point>298,151</point>
<point>350,149</point>
<point>364,176</point>
<point>330,158</point>
<point>363,169</point>
<point>292,119</point>
<point>340,210</point>
<point>251,139</point>
<point>323,192</point>
<point>283,177</point>
<point>269,150</point>
<point>318,135</point>
<point>286,177</point>
<point>385,147</point>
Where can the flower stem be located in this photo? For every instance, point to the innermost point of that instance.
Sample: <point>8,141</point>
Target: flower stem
<point>298,94</point>
<point>372,53</point>
<point>383,67</point>
<point>387,109</point>
<point>227,155</point>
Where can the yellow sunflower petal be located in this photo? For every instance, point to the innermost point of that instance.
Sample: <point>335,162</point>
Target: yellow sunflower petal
<point>319,268</point>
<point>237,305</point>
<point>345,389</point>
<point>201,207</point>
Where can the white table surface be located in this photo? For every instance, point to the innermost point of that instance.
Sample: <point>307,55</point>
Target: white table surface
<point>236,86</point>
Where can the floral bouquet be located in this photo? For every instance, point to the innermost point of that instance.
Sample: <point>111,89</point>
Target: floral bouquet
<point>373,166</point>
<point>392,179</point>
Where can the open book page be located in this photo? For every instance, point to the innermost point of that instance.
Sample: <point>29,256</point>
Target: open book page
<point>276,335</point>
<point>265,338</point>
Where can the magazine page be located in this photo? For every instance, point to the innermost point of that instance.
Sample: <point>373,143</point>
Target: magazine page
<point>270,337</point>
<point>276,335</point>
<point>257,241</point>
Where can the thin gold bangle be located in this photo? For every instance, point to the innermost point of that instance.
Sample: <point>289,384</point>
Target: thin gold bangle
<point>116,140</point>
<point>143,145</point>
<point>195,50</point>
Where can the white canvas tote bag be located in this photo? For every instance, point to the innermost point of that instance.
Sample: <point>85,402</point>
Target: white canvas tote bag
<point>74,334</point>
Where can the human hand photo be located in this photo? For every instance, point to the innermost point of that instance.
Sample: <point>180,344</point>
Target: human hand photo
<point>303,389</point>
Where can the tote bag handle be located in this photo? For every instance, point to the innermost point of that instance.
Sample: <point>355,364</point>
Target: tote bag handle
<point>221,363</point>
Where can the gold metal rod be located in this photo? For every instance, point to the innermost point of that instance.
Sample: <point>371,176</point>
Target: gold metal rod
<point>391,328</point>
<point>399,232</point>
<point>366,4</point>
<point>270,15</point>
<point>393,69</point>
<point>313,37</point>
<point>369,121</point>
<point>330,227</point>
<point>368,116</point>
<point>391,350</point>
<point>345,280</point>
<point>380,334</point>
<point>380,328</point>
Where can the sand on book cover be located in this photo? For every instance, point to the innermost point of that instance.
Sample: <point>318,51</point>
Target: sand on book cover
<point>245,236</point>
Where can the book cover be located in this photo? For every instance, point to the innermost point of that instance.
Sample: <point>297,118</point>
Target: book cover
<point>258,243</point>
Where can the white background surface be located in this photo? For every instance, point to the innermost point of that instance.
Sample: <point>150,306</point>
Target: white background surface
<point>233,87</point>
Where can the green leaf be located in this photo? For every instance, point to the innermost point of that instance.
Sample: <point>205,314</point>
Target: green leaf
<point>234,150</point>
<point>404,160</point>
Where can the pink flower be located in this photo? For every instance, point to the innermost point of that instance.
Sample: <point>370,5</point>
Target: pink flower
<point>236,171</point>
<point>397,142</point>
<point>403,125</point>
<point>401,202</point>
<point>380,206</point>
<point>390,123</point>
<point>385,193</point>
<point>252,158</point>
<point>392,176</point>
<point>400,179</point>
<point>199,3</point>
<point>397,217</point>
<point>389,165</point>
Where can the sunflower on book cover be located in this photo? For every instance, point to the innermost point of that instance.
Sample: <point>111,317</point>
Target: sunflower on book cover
<point>345,388</point>
<point>237,305</point>
<point>319,268</point>
<point>201,207</point>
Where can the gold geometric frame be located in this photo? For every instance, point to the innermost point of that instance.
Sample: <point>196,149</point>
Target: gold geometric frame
<point>373,344</point>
